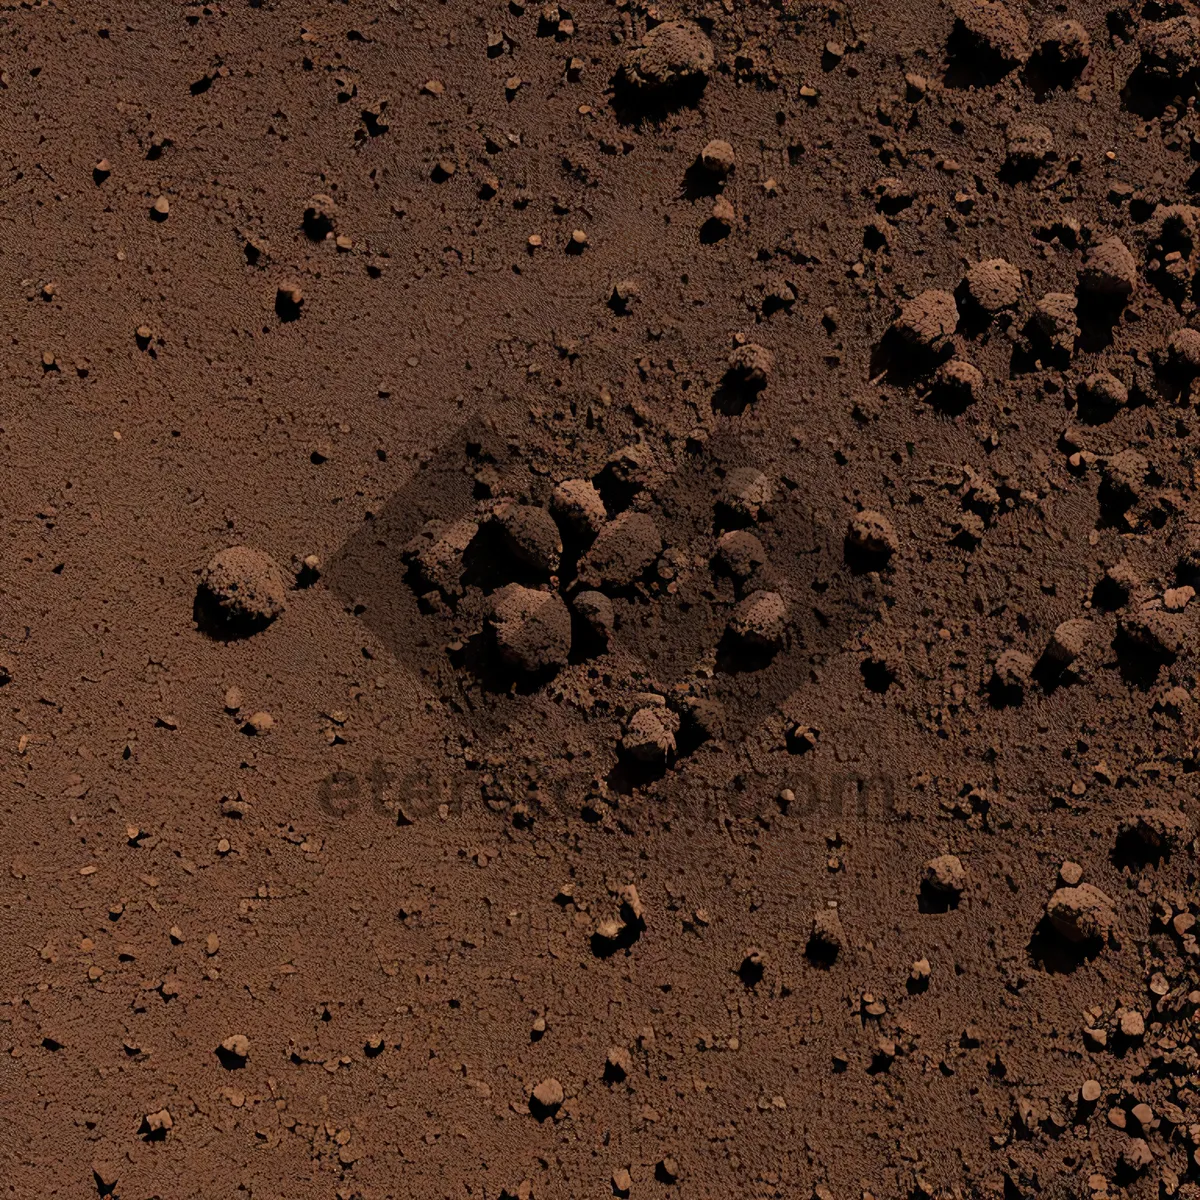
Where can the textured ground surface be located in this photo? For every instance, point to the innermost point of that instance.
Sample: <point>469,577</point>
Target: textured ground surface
<point>340,866</point>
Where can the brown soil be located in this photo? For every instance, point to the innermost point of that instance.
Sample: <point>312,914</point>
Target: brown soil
<point>599,600</point>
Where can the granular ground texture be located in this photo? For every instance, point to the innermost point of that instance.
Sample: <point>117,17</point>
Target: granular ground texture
<point>599,600</point>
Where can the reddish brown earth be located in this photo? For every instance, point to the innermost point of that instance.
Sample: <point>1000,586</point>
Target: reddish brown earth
<point>798,803</point>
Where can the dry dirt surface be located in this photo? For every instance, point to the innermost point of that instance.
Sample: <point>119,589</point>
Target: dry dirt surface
<point>599,600</point>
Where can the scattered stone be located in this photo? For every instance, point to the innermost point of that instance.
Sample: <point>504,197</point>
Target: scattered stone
<point>945,876</point>
<point>595,609</point>
<point>996,29</point>
<point>1070,873</point>
<point>530,536</point>
<point>760,620</point>
<point>752,364</point>
<point>1054,318</point>
<point>532,628</point>
<point>673,53</point>
<point>1183,352</point>
<point>259,724</point>
<point>1110,272</point>
<point>234,1051</point>
<point>827,938</point>
<point>1029,143</point>
<point>1012,672</point>
<point>623,551</point>
<point>1082,913</point>
<point>649,735</point>
<point>1105,392</point>
<point>958,382</point>
<point>872,533</point>
<point>246,588</point>
<point>740,553</point>
<point>1170,49</point>
<point>546,1098</point>
<point>745,492</point>
<point>994,285</point>
<point>1067,43</point>
<point>718,158</point>
<point>927,321</point>
<point>577,503</point>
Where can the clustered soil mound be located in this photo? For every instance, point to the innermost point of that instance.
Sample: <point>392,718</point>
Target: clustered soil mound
<point>601,599</point>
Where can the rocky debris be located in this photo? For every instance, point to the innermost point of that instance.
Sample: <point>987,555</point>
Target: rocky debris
<point>1012,673</point>
<point>745,492</point>
<point>1105,393</point>
<point>1068,641</point>
<point>827,938</point>
<point>1054,318</point>
<point>546,1098</point>
<point>944,878</point>
<point>649,735</point>
<point>870,532</point>
<point>595,610</point>
<point>760,621</point>
<point>156,1125</point>
<point>995,29</point>
<point>258,724</point>
<point>927,321</point>
<point>994,285</point>
<point>671,54</point>
<point>1110,272</point>
<point>234,1051</point>
<point>1171,48</point>
<point>577,503</point>
<point>624,550</point>
<point>958,383</point>
<point>1029,143</point>
<point>1082,914</point>
<point>1123,477</point>
<point>740,553</point>
<point>1183,352</point>
<point>436,554</point>
<point>245,589</point>
<point>1066,43</point>
<point>618,1064</point>
<point>530,536</point>
<point>532,628</point>
<point>751,365</point>
<point>718,158</point>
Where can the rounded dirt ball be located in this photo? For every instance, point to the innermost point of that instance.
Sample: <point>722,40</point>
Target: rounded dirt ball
<point>672,53</point>
<point>718,158</point>
<point>530,536</point>
<point>1068,641</point>
<point>1183,352</point>
<point>959,381</point>
<point>1105,392</point>
<point>595,610</point>
<point>1110,272</point>
<point>532,628</point>
<point>1054,319</point>
<point>1029,143</point>
<point>622,552</point>
<point>760,621</point>
<point>245,588</point>
<point>927,320</point>
<point>577,503</point>
<point>994,285</point>
<point>740,553</point>
<point>944,875</point>
<point>870,532</point>
<point>752,364</point>
<point>1067,43</point>
<point>995,28</point>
